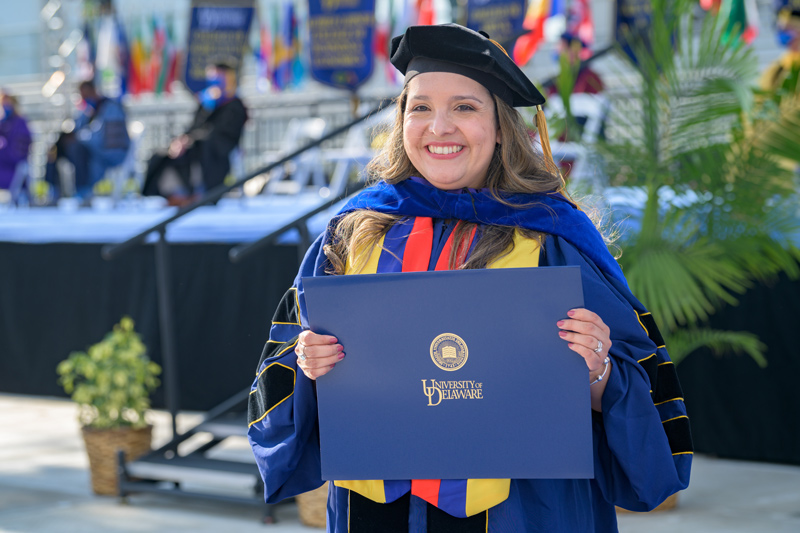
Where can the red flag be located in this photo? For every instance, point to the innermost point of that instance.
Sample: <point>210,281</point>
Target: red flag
<point>527,44</point>
<point>427,13</point>
<point>711,4</point>
<point>581,25</point>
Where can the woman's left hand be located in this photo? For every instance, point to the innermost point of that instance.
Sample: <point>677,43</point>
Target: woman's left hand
<point>589,337</point>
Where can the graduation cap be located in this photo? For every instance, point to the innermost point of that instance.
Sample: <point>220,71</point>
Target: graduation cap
<point>454,48</point>
<point>459,50</point>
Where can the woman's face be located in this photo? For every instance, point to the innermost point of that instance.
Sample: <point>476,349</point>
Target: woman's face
<point>449,129</point>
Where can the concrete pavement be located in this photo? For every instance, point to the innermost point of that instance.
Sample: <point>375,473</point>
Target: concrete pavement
<point>44,488</point>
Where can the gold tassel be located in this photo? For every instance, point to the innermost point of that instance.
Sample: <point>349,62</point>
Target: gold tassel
<point>544,138</point>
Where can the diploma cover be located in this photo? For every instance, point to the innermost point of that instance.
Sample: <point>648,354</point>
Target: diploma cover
<point>452,375</point>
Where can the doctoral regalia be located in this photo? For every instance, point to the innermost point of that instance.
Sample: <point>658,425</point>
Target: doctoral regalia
<point>642,441</point>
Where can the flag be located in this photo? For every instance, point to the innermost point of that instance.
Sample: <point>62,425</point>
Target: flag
<point>158,63</point>
<point>536,16</point>
<point>124,56</point>
<point>135,65</point>
<point>171,57</point>
<point>298,69</point>
<point>427,12</point>
<point>263,57</point>
<point>85,54</point>
<point>282,73</point>
<point>105,55</point>
<point>742,21</point>
<point>711,5</point>
<point>581,25</point>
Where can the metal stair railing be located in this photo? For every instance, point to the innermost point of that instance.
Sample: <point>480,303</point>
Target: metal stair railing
<point>162,256</point>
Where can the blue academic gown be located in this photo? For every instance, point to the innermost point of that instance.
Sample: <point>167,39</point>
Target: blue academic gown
<point>642,441</point>
<point>102,143</point>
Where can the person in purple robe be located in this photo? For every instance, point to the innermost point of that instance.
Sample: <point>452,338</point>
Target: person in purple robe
<point>15,140</point>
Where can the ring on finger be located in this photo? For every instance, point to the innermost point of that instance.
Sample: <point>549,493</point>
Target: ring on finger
<point>599,347</point>
<point>302,354</point>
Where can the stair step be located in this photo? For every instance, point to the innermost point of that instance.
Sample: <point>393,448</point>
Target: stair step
<point>199,470</point>
<point>226,425</point>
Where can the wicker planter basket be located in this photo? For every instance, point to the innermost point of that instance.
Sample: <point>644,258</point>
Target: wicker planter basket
<point>102,446</point>
<point>312,507</point>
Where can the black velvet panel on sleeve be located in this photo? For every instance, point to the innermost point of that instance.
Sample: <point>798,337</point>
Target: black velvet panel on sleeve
<point>287,312</point>
<point>649,324</point>
<point>274,385</point>
<point>679,434</point>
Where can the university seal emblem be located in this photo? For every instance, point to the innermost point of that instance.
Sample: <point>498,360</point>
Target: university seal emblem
<point>449,351</point>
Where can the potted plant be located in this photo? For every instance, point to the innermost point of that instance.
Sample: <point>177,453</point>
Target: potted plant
<point>112,382</point>
<point>708,154</point>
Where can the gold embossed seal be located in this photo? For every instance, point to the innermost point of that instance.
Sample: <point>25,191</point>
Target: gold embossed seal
<point>449,351</point>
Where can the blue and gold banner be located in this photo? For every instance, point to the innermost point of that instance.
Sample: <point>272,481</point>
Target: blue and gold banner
<point>633,23</point>
<point>341,34</point>
<point>633,18</point>
<point>217,32</point>
<point>501,19</point>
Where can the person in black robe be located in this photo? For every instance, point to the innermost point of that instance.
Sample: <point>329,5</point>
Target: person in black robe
<point>205,146</point>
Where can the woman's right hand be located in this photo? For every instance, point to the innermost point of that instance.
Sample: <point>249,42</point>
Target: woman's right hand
<point>317,354</point>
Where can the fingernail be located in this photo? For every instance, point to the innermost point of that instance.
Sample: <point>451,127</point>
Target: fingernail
<point>341,356</point>
<point>571,313</point>
<point>333,365</point>
<point>560,323</point>
<point>562,334</point>
<point>334,340</point>
<point>340,348</point>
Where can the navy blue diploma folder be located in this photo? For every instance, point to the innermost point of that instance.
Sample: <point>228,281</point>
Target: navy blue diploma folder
<point>452,375</point>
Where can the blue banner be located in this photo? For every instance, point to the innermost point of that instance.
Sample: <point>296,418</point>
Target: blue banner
<point>501,19</point>
<point>341,34</point>
<point>633,23</point>
<point>217,32</point>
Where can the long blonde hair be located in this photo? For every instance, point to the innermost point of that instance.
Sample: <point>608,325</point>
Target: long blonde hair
<point>516,167</point>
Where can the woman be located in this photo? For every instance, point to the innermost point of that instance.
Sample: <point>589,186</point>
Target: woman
<point>462,187</point>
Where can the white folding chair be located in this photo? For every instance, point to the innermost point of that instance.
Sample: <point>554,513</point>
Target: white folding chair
<point>591,110</point>
<point>129,168</point>
<point>308,166</point>
<point>357,150</point>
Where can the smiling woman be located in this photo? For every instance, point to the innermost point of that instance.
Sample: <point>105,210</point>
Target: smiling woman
<point>461,186</point>
<point>450,129</point>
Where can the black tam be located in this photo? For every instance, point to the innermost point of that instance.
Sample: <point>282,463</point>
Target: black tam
<point>454,48</point>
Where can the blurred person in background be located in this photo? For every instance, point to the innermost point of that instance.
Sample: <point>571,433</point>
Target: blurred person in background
<point>783,72</point>
<point>586,80</point>
<point>198,160</point>
<point>99,141</point>
<point>15,139</point>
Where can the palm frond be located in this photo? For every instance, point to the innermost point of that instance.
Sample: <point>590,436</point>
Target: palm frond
<point>682,286</point>
<point>781,135</point>
<point>683,342</point>
<point>691,121</point>
<point>682,275</point>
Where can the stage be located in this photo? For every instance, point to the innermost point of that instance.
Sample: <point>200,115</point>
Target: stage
<point>57,294</point>
<point>60,295</point>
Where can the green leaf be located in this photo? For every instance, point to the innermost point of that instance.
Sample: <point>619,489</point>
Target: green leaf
<point>683,342</point>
